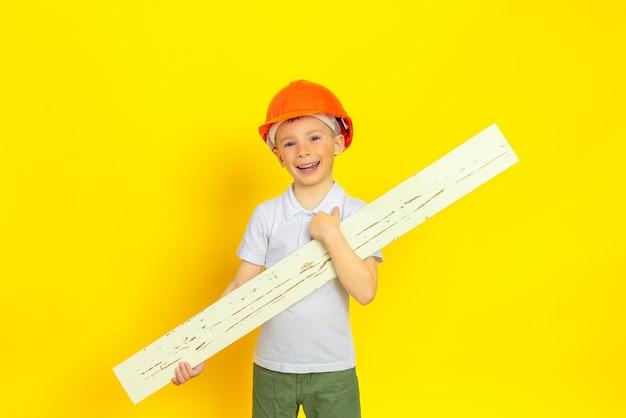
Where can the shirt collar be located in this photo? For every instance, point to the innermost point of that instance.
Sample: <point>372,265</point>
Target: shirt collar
<point>292,207</point>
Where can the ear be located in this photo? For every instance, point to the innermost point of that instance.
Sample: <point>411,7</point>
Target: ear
<point>277,154</point>
<point>340,144</point>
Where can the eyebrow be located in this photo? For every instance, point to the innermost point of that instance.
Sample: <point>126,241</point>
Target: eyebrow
<point>305,134</point>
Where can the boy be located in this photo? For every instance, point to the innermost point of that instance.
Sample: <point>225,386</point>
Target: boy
<point>305,355</point>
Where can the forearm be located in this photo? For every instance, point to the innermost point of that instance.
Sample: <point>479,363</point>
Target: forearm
<point>359,277</point>
<point>245,272</point>
<point>232,286</point>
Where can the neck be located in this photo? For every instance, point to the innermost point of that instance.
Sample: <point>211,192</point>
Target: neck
<point>310,197</point>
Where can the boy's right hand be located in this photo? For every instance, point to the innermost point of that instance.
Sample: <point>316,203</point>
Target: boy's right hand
<point>184,372</point>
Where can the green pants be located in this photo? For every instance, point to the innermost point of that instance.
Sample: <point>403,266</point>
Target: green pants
<point>322,395</point>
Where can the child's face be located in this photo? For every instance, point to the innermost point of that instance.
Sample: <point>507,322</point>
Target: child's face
<point>306,147</point>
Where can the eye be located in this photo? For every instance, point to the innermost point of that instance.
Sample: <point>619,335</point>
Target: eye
<point>316,138</point>
<point>288,144</point>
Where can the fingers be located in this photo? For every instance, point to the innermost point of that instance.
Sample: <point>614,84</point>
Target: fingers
<point>182,373</point>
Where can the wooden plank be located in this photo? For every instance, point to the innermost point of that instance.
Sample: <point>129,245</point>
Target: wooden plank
<point>393,214</point>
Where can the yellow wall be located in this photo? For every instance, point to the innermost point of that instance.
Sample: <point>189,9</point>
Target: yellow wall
<point>129,164</point>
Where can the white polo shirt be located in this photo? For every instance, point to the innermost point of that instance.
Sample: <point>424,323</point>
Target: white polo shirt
<point>314,334</point>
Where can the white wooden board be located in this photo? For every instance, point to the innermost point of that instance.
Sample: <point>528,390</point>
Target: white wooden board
<point>401,209</point>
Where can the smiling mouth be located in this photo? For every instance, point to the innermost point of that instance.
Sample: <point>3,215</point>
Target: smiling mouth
<point>308,166</point>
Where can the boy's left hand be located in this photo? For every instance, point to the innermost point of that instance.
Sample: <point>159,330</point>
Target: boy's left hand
<point>324,226</point>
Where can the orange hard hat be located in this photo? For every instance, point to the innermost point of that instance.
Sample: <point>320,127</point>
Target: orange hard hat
<point>301,98</point>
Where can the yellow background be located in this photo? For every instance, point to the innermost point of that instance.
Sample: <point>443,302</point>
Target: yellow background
<point>130,162</point>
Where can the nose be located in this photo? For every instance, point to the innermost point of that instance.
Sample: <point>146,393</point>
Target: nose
<point>303,150</point>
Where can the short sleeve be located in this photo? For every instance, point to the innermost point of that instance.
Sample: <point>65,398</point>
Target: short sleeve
<point>255,241</point>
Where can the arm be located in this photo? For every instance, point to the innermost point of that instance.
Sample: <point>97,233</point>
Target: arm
<point>359,277</point>
<point>245,272</point>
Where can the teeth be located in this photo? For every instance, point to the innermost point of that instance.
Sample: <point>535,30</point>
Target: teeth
<point>307,166</point>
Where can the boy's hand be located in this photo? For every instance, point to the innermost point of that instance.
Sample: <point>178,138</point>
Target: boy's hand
<point>324,226</point>
<point>184,372</point>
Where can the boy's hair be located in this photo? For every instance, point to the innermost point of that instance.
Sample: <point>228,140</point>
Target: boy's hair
<point>328,121</point>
